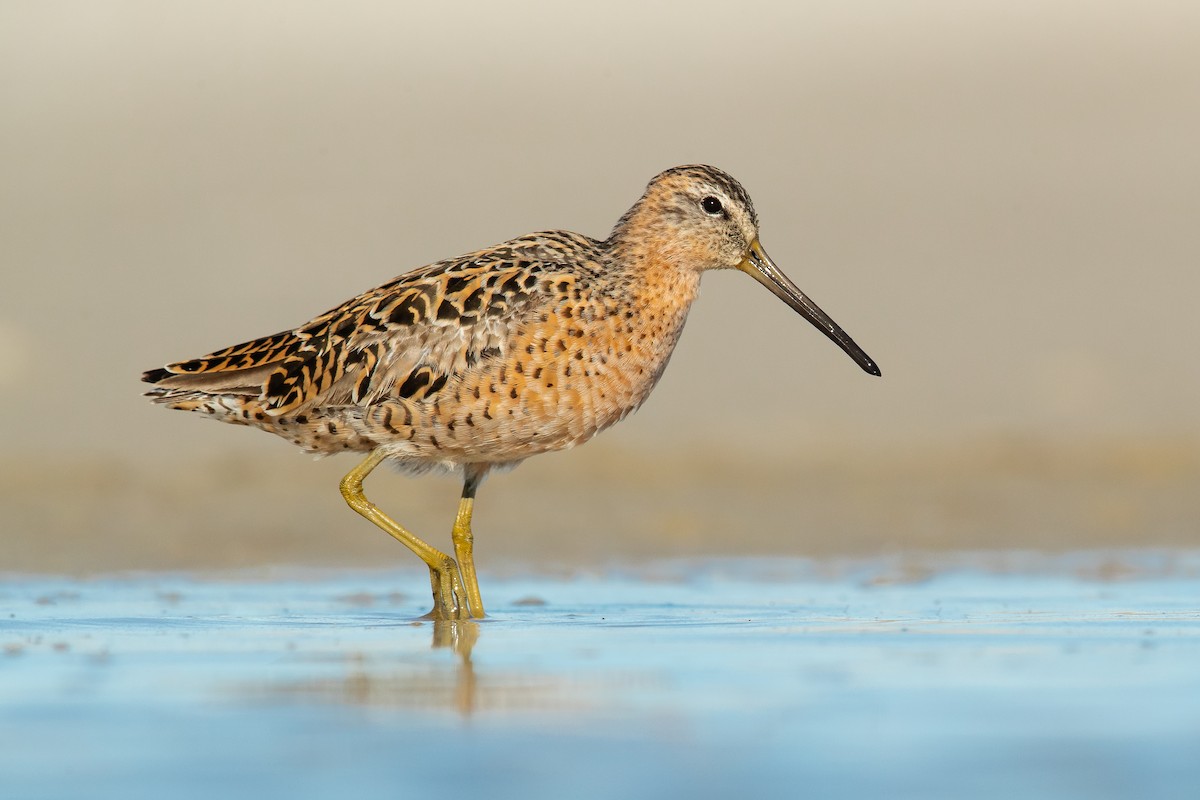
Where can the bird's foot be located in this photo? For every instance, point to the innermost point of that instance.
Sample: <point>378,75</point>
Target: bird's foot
<point>449,595</point>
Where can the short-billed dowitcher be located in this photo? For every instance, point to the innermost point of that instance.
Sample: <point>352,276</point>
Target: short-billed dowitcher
<point>482,361</point>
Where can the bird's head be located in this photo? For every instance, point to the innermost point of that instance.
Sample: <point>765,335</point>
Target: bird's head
<point>698,217</point>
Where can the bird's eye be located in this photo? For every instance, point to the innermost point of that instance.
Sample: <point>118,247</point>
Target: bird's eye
<point>712,205</point>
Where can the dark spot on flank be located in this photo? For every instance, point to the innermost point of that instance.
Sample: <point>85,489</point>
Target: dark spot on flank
<point>259,415</point>
<point>473,301</point>
<point>409,310</point>
<point>360,388</point>
<point>579,355</point>
<point>433,441</point>
<point>417,381</point>
<point>302,419</point>
<point>276,384</point>
<point>470,420</point>
<point>331,427</point>
<point>437,385</point>
<point>450,426</point>
<point>513,393</point>
<point>564,286</point>
<point>537,373</point>
<point>447,310</point>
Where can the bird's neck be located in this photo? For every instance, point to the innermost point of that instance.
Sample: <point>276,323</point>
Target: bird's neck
<point>656,261</point>
<point>658,282</point>
<point>655,272</point>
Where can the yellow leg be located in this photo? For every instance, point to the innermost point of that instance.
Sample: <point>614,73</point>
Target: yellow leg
<point>448,594</point>
<point>464,551</point>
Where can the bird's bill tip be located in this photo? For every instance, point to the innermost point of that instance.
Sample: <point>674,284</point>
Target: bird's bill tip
<point>759,265</point>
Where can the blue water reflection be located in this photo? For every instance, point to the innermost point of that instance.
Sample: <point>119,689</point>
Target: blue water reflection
<point>699,679</point>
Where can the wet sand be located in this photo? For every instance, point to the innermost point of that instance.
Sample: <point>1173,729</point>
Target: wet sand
<point>612,501</point>
<point>966,677</point>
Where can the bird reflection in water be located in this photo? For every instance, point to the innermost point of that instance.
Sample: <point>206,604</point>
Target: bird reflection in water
<point>394,681</point>
<point>460,636</point>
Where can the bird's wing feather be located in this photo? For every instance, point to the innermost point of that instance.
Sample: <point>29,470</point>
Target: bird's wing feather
<point>406,338</point>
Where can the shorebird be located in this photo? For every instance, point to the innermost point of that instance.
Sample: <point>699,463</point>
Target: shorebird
<point>479,362</point>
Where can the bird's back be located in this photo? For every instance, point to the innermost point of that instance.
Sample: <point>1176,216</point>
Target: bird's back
<point>528,346</point>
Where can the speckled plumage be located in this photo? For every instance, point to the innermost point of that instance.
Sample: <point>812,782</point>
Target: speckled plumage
<point>480,361</point>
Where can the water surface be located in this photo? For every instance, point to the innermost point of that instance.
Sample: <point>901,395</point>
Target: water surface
<point>672,679</point>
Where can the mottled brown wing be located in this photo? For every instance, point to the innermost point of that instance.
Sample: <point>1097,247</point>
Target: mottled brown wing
<point>406,338</point>
<point>409,337</point>
<point>240,368</point>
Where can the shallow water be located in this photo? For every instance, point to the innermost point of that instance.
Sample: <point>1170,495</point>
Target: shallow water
<point>697,679</point>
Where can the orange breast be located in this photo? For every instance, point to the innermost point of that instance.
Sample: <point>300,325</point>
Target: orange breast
<point>580,367</point>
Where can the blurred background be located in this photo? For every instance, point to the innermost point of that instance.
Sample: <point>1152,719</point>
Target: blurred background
<point>998,200</point>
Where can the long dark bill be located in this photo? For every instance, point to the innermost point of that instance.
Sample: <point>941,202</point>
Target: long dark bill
<point>759,265</point>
